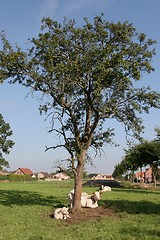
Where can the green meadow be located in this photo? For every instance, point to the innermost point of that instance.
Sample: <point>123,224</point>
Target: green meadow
<point>26,208</point>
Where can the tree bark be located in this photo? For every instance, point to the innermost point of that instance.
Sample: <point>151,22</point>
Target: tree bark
<point>154,174</point>
<point>78,182</point>
<point>155,182</point>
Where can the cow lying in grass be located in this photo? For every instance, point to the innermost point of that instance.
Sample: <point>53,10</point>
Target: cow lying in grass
<point>105,189</point>
<point>89,201</point>
<point>61,213</point>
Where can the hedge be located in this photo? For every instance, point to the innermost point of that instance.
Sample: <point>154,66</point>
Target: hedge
<point>20,178</point>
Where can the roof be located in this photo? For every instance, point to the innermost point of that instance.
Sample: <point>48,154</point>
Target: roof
<point>46,174</point>
<point>61,175</point>
<point>101,176</point>
<point>26,171</point>
<point>4,172</point>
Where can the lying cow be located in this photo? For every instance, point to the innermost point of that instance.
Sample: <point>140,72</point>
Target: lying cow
<point>61,213</point>
<point>90,201</point>
<point>105,189</point>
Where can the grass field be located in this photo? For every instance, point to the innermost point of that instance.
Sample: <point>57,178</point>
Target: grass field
<point>25,210</point>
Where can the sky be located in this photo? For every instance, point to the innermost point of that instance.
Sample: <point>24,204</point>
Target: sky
<point>21,20</point>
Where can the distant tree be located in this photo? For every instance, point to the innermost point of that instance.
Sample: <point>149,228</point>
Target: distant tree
<point>90,175</point>
<point>85,174</point>
<point>153,158</point>
<point>143,154</point>
<point>60,167</point>
<point>86,75</point>
<point>131,161</point>
<point>128,165</point>
<point>157,130</point>
<point>5,143</point>
<point>119,171</point>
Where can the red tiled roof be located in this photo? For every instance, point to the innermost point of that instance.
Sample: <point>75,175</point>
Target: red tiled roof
<point>26,171</point>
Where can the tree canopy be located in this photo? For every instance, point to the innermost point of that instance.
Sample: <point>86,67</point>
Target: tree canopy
<point>87,75</point>
<point>140,155</point>
<point>5,143</point>
<point>157,130</point>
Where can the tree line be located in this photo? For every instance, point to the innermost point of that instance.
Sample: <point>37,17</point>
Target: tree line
<point>5,142</point>
<point>146,153</point>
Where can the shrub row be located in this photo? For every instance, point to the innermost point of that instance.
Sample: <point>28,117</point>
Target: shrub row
<point>17,178</point>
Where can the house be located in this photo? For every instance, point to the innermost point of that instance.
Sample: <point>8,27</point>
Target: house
<point>4,172</point>
<point>148,175</point>
<point>23,171</point>
<point>43,175</point>
<point>139,176</point>
<point>145,176</point>
<point>102,177</point>
<point>61,176</point>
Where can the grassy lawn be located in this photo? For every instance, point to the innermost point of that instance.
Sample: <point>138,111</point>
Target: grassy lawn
<point>25,210</point>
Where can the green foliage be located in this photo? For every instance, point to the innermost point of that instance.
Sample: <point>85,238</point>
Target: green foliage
<point>20,178</point>
<point>157,130</point>
<point>138,156</point>
<point>88,73</point>
<point>3,177</point>
<point>143,154</point>
<point>5,143</point>
<point>119,171</point>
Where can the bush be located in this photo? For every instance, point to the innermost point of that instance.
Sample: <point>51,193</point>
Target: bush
<point>20,178</point>
<point>3,177</point>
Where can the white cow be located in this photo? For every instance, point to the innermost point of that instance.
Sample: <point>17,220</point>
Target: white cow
<point>105,189</point>
<point>61,213</point>
<point>71,197</point>
<point>90,201</point>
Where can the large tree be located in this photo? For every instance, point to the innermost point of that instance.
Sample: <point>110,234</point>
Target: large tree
<point>86,75</point>
<point>5,143</point>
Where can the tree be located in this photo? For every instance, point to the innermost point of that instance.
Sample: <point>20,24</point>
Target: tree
<point>86,75</point>
<point>5,143</point>
<point>153,157</point>
<point>157,130</point>
<point>128,163</point>
<point>143,154</point>
<point>119,171</point>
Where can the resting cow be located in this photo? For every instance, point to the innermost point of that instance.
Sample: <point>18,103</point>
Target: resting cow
<point>105,189</point>
<point>89,201</point>
<point>61,213</point>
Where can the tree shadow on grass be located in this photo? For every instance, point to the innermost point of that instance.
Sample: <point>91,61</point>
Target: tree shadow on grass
<point>139,191</point>
<point>133,207</point>
<point>137,232</point>
<point>20,198</point>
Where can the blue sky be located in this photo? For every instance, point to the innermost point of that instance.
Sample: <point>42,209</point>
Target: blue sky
<point>21,20</point>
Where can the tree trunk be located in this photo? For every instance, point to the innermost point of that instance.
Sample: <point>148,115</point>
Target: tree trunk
<point>78,182</point>
<point>132,176</point>
<point>154,174</point>
<point>155,182</point>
